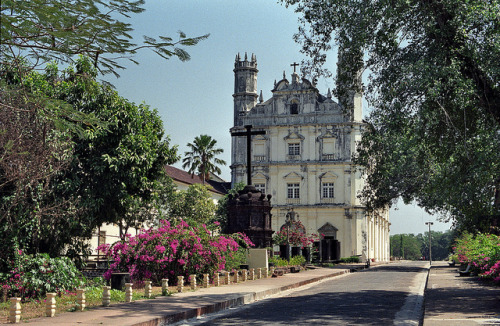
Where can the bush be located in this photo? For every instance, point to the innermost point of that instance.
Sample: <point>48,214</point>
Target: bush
<point>171,251</point>
<point>32,276</point>
<point>297,260</point>
<point>352,259</point>
<point>482,251</point>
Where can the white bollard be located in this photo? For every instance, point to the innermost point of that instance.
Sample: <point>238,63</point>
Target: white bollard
<point>216,279</point>
<point>164,286</point>
<point>180,283</point>
<point>15,310</point>
<point>227,278</point>
<point>106,296</point>
<point>50,305</point>
<point>128,292</point>
<point>244,275</point>
<point>206,280</point>
<point>147,289</point>
<point>80,299</point>
<point>192,280</point>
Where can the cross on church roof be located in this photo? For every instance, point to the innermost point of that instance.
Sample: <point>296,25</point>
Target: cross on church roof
<point>294,65</point>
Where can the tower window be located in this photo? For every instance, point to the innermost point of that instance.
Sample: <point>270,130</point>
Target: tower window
<point>294,149</point>
<point>294,108</point>
<point>293,190</point>
<point>261,187</point>
<point>328,189</point>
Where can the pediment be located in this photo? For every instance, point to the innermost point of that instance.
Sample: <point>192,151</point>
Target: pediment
<point>293,175</point>
<point>293,135</point>
<point>328,175</point>
<point>259,176</point>
<point>328,230</point>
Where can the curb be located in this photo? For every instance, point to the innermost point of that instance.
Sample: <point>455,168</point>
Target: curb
<point>412,312</point>
<point>239,300</point>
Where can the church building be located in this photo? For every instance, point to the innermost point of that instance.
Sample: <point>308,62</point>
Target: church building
<point>304,161</point>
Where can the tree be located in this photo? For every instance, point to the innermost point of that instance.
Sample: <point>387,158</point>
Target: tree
<point>434,131</point>
<point>202,158</point>
<point>43,31</point>
<point>114,175</point>
<point>194,205</point>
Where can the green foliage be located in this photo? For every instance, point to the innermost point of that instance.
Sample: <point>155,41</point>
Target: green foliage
<point>194,205</point>
<point>297,260</point>
<point>433,133</point>
<point>32,276</point>
<point>278,262</point>
<point>352,259</point>
<point>294,261</point>
<point>413,247</point>
<point>482,251</point>
<point>59,30</point>
<point>202,157</point>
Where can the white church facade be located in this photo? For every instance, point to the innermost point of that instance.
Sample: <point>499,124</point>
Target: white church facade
<point>304,161</point>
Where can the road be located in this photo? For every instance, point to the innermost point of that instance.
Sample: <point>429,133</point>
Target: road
<point>386,295</point>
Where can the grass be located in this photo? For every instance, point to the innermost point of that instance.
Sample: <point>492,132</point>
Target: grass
<point>67,302</point>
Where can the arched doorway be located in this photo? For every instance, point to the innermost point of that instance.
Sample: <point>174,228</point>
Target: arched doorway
<point>329,246</point>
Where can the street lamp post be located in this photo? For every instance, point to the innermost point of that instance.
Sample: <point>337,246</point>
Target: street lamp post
<point>430,242</point>
<point>289,218</point>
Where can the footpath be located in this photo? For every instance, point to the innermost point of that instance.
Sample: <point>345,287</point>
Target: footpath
<point>191,304</point>
<point>451,299</point>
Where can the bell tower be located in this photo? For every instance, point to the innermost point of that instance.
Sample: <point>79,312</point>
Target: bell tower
<point>245,86</point>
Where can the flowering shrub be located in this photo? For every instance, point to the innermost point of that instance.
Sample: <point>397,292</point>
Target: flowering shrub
<point>483,252</point>
<point>32,276</point>
<point>171,251</point>
<point>296,234</point>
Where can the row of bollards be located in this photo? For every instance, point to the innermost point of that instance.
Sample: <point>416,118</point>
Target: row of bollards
<point>50,303</point>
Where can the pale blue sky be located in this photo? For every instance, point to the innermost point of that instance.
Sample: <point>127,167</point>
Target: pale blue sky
<point>195,97</point>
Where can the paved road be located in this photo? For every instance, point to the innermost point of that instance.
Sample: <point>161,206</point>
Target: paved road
<point>384,295</point>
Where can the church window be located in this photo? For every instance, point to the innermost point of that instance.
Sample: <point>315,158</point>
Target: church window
<point>261,187</point>
<point>294,149</point>
<point>294,108</point>
<point>328,189</point>
<point>293,190</point>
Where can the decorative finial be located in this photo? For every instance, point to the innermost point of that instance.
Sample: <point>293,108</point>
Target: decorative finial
<point>329,95</point>
<point>246,58</point>
<point>275,83</point>
<point>284,76</point>
<point>254,58</point>
<point>261,98</point>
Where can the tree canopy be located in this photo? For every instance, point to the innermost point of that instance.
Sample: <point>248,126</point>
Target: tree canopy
<point>202,157</point>
<point>70,185</point>
<point>434,131</point>
<point>54,30</point>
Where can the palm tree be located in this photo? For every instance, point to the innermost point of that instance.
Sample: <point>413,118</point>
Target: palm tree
<point>202,158</point>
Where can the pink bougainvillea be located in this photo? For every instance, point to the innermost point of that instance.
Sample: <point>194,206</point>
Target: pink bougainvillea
<point>482,251</point>
<point>170,251</point>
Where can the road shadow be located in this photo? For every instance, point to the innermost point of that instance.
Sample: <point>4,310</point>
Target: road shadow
<point>339,308</point>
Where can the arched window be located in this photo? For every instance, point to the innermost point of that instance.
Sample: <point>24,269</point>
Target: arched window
<point>294,108</point>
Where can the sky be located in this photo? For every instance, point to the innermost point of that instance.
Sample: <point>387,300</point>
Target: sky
<point>195,97</point>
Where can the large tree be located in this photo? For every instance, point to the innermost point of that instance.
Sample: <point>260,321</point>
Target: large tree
<point>55,158</point>
<point>114,175</point>
<point>48,30</point>
<point>202,157</point>
<point>434,131</point>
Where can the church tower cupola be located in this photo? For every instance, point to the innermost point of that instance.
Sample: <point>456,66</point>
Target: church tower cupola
<point>245,85</point>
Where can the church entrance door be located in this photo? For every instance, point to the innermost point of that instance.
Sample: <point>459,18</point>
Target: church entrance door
<point>330,249</point>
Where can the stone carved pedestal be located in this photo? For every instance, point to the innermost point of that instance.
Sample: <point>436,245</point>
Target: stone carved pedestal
<point>249,212</point>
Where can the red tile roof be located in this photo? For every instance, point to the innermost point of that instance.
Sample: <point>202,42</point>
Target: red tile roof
<point>186,177</point>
